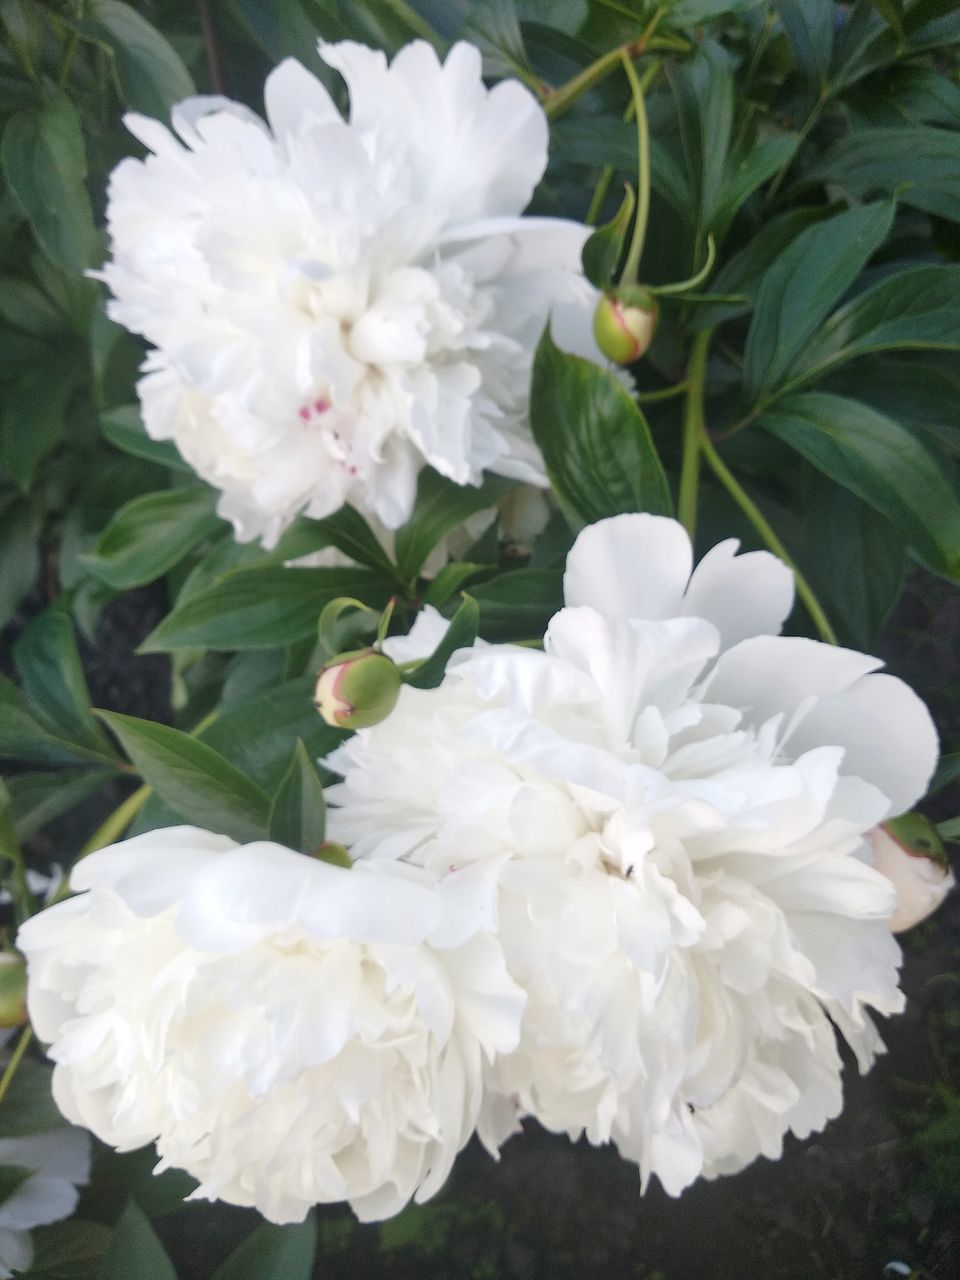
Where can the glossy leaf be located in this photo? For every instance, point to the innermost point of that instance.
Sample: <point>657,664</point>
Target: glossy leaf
<point>32,421</point>
<point>151,534</point>
<point>809,25</point>
<point>298,814</point>
<point>123,427</point>
<point>192,778</point>
<point>134,1250</point>
<point>919,164</point>
<point>879,461</point>
<point>150,72</point>
<point>18,553</point>
<point>802,287</point>
<point>460,635</point>
<point>28,735</point>
<point>915,309</point>
<point>52,677</point>
<point>595,441</point>
<point>259,733</point>
<point>441,505</point>
<point>44,163</point>
<point>42,797</point>
<point>260,608</point>
<point>28,1105</point>
<point>273,1253</point>
<point>349,532</point>
<point>603,250</point>
<point>518,605</point>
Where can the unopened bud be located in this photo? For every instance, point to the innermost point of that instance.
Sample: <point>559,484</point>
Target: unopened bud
<point>908,851</point>
<point>13,989</point>
<point>358,689</point>
<point>624,326</point>
<point>335,854</point>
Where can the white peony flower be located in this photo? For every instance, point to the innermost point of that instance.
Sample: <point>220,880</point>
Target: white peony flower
<point>286,1031</point>
<point>336,304</point>
<point>676,798</point>
<point>58,1161</point>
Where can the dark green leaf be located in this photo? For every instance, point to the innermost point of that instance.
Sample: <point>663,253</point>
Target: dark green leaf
<point>809,24</point>
<point>26,734</point>
<point>53,679</point>
<point>192,778</point>
<point>257,735</point>
<point>273,1253</point>
<point>71,1250</point>
<point>123,427</point>
<point>493,27</point>
<point>28,1106</point>
<point>449,581</point>
<point>919,164</point>
<point>916,308</point>
<point>11,1178</point>
<point>135,1251</point>
<point>460,635</point>
<point>879,461</point>
<point>298,815</point>
<point>595,441</point>
<point>44,162</point>
<point>150,72</point>
<point>802,286</point>
<point>19,555</point>
<point>349,532</point>
<point>745,270</point>
<point>518,605</point>
<point>25,307</point>
<point>892,13</point>
<point>39,798</point>
<point>261,608</point>
<point>603,250</point>
<point>948,771</point>
<point>702,87</point>
<point>151,534</point>
<point>441,505</point>
<point>282,30</point>
<point>32,420</point>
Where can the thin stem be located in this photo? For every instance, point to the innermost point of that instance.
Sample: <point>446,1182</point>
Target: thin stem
<point>811,120</point>
<point>606,177</point>
<point>113,828</point>
<point>766,532</point>
<point>694,432</point>
<point>210,46</point>
<point>556,101</point>
<point>665,393</point>
<point>6,1080</point>
<point>631,267</point>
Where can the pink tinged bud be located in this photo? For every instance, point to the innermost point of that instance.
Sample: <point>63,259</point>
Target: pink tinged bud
<point>624,328</point>
<point>13,989</point>
<point>908,851</point>
<point>358,689</point>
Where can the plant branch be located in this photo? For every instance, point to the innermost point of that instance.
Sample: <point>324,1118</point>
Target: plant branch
<point>694,431</point>
<point>766,532</point>
<point>6,1080</point>
<point>210,45</point>
<point>556,101</point>
<point>631,267</point>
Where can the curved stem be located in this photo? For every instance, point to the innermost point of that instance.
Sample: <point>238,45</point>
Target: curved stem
<point>682,286</point>
<point>631,267</point>
<point>766,532</point>
<point>665,393</point>
<point>118,821</point>
<point>694,432</point>
<point>6,1080</point>
<point>556,101</point>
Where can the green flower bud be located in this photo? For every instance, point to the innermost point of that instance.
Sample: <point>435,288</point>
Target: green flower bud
<point>624,326</point>
<point>358,689</point>
<point>335,854</point>
<point>13,989</point>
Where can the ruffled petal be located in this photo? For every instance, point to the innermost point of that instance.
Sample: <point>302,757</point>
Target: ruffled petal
<point>747,595</point>
<point>630,566</point>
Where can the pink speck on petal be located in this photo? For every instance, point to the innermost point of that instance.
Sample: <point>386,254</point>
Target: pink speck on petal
<point>304,412</point>
<point>321,405</point>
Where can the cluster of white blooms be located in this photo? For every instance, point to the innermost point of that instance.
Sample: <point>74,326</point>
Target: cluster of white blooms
<point>675,801</point>
<point>335,304</point>
<point>622,885</point>
<point>288,1032</point>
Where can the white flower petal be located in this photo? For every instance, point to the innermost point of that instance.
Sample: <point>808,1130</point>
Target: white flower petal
<point>745,595</point>
<point>632,566</point>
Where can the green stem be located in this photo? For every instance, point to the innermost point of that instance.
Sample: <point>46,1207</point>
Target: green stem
<point>766,532</point>
<point>631,267</point>
<point>694,432</point>
<point>665,393</point>
<point>113,828</point>
<point>6,1080</point>
<point>556,101</point>
<point>811,120</point>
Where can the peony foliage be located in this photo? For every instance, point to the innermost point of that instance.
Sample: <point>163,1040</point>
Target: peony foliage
<point>510,427</point>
